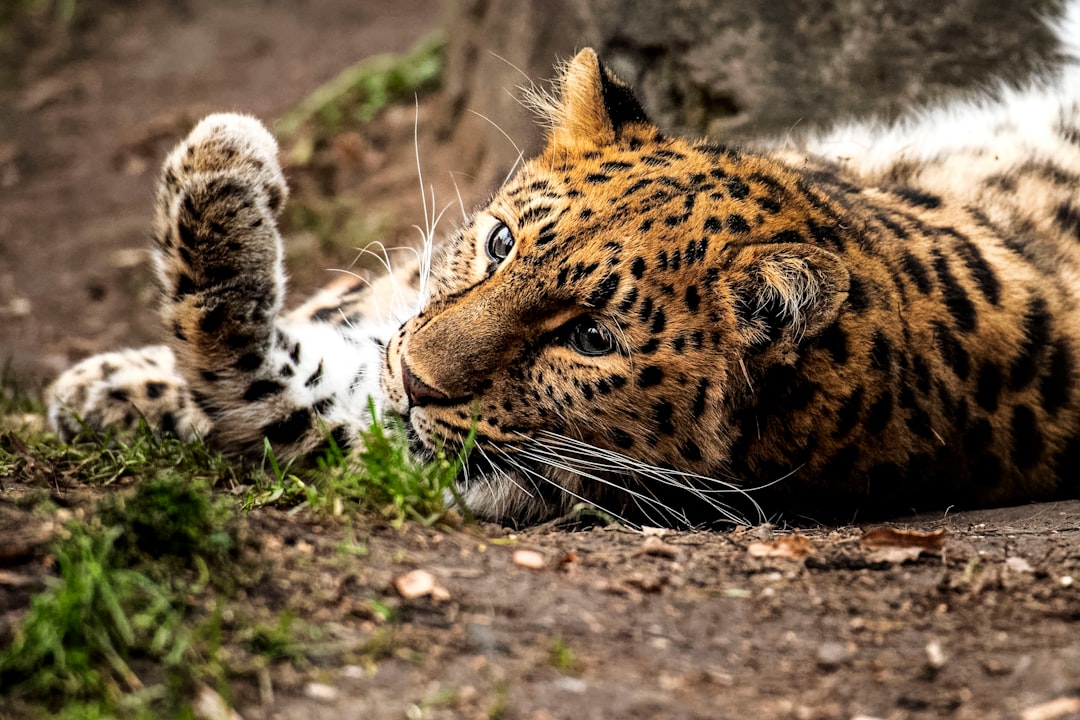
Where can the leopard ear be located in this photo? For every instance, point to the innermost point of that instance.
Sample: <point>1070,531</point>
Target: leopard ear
<point>788,291</point>
<point>593,104</point>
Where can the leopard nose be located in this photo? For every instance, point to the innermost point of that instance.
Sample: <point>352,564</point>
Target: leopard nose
<point>417,391</point>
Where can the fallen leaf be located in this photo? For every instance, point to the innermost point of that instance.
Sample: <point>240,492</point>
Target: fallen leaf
<point>892,537</point>
<point>792,547</point>
<point>656,547</point>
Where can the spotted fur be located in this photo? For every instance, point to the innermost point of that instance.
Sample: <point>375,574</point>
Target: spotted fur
<point>871,321</point>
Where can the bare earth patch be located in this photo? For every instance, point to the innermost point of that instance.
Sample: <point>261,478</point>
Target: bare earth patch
<point>981,620</point>
<point>627,624</point>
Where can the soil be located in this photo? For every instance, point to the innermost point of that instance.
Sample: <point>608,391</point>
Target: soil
<point>982,621</point>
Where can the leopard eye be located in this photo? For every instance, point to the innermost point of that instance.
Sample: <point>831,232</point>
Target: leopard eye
<point>499,242</point>
<point>589,337</point>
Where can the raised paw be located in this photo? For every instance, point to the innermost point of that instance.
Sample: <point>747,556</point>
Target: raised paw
<point>113,392</point>
<point>218,252</point>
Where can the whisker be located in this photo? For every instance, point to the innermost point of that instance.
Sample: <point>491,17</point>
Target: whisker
<point>461,203</point>
<point>520,72</point>
<point>416,152</point>
<point>724,511</point>
<point>571,493</point>
<point>518,150</point>
<point>496,468</point>
<point>703,487</point>
<point>557,464</point>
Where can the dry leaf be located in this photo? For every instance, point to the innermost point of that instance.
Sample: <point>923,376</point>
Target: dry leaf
<point>656,547</point>
<point>885,537</point>
<point>792,547</point>
<point>896,546</point>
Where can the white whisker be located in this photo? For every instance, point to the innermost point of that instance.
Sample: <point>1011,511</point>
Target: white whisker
<point>506,475</point>
<point>518,150</point>
<point>580,498</point>
<point>705,488</point>
<point>461,203</point>
<point>560,464</point>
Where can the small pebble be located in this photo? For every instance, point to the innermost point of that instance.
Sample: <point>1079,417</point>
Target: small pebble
<point>833,654</point>
<point>656,547</point>
<point>1019,564</point>
<point>935,656</point>
<point>529,559</point>
<point>572,684</point>
<point>320,691</point>
<point>209,705</point>
<point>418,583</point>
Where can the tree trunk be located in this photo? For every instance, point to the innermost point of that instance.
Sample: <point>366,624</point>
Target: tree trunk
<point>729,69</point>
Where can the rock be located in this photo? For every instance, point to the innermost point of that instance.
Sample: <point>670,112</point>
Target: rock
<point>831,655</point>
<point>419,583</point>
<point>1019,565</point>
<point>731,70</point>
<point>935,656</point>
<point>529,559</point>
<point>321,691</point>
<point>209,705</point>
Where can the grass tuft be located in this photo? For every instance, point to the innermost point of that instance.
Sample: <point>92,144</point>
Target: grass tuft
<point>359,92</point>
<point>80,634</point>
<point>379,478</point>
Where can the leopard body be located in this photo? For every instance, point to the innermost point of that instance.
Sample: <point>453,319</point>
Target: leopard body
<point>875,319</point>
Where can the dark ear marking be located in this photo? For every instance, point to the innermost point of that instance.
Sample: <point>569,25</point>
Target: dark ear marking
<point>620,103</point>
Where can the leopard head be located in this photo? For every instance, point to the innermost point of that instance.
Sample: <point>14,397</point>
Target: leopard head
<point>602,319</point>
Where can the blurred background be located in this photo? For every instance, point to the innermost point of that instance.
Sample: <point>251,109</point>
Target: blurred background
<point>93,93</point>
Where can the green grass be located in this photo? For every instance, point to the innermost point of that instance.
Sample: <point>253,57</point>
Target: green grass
<point>36,458</point>
<point>78,638</point>
<point>359,92</point>
<point>131,621</point>
<point>133,616</point>
<point>561,656</point>
<point>118,629</point>
<point>379,479</point>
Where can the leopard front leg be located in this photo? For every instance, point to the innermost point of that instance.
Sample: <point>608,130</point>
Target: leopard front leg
<point>219,259</point>
<point>115,391</point>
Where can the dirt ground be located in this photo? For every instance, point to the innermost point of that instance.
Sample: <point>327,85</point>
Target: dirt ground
<point>982,623</point>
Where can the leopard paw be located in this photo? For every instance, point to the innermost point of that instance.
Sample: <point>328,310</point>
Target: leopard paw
<point>113,392</point>
<point>219,254</point>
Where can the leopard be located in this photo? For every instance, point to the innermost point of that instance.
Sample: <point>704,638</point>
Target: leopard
<point>875,318</point>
